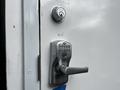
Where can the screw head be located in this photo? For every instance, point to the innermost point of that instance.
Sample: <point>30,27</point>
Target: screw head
<point>58,14</point>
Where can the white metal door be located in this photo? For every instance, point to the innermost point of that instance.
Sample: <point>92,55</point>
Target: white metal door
<point>92,27</point>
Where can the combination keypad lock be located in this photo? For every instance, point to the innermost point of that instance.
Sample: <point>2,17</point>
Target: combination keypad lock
<point>60,56</point>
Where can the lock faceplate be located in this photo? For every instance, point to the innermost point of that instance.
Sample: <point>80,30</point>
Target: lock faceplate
<point>60,54</point>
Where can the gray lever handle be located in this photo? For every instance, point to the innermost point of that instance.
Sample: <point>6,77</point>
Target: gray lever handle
<point>72,70</point>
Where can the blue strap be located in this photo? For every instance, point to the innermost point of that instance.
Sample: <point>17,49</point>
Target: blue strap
<point>62,87</point>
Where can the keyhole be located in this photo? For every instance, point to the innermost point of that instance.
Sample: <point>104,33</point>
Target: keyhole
<point>58,14</point>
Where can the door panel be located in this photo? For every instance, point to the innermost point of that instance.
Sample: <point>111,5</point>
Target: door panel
<point>92,27</point>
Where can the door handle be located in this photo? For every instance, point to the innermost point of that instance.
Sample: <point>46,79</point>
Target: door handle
<point>60,56</point>
<point>72,70</point>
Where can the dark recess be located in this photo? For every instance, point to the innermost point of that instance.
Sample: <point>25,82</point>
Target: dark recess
<point>2,47</point>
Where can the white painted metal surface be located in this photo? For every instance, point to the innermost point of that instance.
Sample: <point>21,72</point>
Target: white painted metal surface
<point>22,44</point>
<point>31,44</point>
<point>14,56</point>
<point>92,26</point>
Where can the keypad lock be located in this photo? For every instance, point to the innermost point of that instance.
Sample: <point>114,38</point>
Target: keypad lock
<point>60,56</point>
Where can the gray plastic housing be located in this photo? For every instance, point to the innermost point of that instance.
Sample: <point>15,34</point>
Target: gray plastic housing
<point>60,53</point>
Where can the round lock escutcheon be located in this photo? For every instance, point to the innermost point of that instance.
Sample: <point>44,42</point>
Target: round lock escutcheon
<point>58,14</point>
